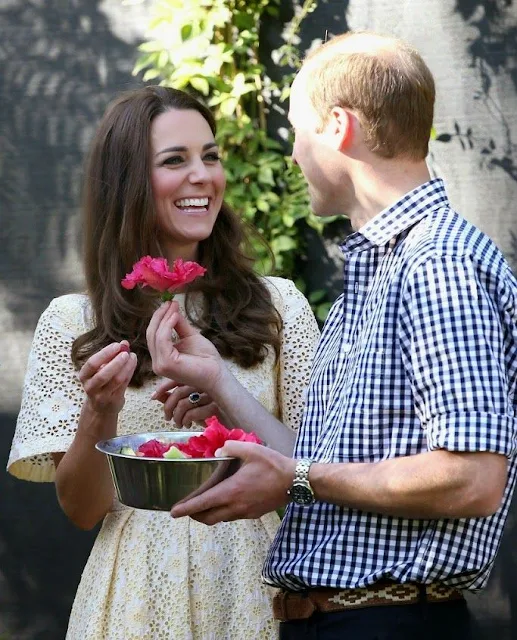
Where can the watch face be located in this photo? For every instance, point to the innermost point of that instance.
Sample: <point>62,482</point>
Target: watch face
<point>302,494</point>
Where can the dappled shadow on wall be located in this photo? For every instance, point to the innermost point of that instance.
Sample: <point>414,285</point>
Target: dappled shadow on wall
<point>493,52</point>
<point>41,556</point>
<point>61,65</point>
<point>62,61</point>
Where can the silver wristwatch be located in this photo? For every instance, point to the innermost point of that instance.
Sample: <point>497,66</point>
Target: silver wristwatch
<point>301,491</point>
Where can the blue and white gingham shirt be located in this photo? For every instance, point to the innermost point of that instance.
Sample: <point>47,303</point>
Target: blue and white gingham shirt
<point>418,353</point>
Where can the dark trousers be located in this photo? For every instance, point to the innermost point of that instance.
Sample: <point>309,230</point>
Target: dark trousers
<point>422,621</point>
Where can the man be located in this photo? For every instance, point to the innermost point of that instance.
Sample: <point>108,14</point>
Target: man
<point>404,465</point>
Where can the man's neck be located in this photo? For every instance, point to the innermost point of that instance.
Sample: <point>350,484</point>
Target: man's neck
<point>377,188</point>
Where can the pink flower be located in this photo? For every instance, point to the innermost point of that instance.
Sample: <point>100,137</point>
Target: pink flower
<point>213,438</point>
<point>239,434</point>
<point>155,273</point>
<point>153,449</point>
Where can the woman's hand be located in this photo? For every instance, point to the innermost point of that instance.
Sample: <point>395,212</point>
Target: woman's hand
<point>83,481</point>
<point>105,377</point>
<point>179,407</point>
<point>191,360</point>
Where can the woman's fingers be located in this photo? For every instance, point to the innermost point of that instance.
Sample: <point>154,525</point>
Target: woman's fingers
<point>106,375</point>
<point>162,391</point>
<point>160,340</point>
<point>184,412</point>
<point>122,378</point>
<point>179,351</point>
<point>181,405</point>
<point>183,327</point>
<point>200,414</point>
<point>100,360</point>
<point>156,320</point>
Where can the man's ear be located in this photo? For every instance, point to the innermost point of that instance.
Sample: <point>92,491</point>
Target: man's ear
<point>341,127</point>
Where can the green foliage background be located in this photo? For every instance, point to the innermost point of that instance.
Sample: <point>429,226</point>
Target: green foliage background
<point>211,48</point>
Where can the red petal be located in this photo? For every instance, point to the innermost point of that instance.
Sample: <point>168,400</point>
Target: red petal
<point>155,273</point>
<point>153,449</point>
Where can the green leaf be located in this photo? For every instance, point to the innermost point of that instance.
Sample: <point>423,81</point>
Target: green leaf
<point>282,243</point>
<point>263,205</point>
<point>163,58</point>
<point>186,31</point>
<point>228,106</point>
<point>322,311</point>
<point>200,84</point>
<point>151,74</point>
<point>152,46</point>
<point>265,176</point>
<point>317,296</point>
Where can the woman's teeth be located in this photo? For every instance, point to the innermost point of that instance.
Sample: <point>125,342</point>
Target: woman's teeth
<point>191,202</point>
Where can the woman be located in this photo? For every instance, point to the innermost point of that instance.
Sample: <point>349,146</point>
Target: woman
<point>154,186</point>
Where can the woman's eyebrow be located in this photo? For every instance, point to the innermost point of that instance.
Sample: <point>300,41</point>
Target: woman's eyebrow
<point>208,145</point>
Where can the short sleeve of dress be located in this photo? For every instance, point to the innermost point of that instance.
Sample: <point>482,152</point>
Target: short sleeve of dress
<point>52,394</point>
<point>300,337</point>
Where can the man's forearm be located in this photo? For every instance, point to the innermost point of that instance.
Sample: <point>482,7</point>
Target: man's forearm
<point>436,484</point>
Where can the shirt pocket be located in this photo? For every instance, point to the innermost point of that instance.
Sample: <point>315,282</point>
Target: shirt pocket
<point>376,379</point>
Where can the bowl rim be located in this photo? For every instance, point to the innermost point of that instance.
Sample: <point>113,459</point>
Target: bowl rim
<point>99,446</point>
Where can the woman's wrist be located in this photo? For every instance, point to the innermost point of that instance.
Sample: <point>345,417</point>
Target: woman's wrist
<point>223,387</point>
<point>96,425</point>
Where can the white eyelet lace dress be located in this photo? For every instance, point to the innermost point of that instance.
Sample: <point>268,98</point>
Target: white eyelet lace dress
<point>150,577</point>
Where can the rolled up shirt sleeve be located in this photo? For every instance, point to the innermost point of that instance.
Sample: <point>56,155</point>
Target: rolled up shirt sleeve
<point>458,340</point>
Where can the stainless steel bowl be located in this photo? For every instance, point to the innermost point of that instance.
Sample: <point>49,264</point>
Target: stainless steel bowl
<point>158,483</point>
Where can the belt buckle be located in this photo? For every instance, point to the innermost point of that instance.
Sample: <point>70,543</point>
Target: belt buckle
<point>281,613</point>
<point>293,606</point>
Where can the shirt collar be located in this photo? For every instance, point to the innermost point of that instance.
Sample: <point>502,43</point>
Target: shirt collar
<point>402,215</point>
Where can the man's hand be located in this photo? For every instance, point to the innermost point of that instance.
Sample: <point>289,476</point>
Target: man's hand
<point>258,487</point>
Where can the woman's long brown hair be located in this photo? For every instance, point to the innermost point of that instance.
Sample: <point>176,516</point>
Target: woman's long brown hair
<point>120,227</point>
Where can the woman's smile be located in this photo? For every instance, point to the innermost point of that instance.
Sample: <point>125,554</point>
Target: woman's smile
<point>195,206</point>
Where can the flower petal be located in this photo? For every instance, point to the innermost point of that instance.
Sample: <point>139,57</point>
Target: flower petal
<point>155,273</point>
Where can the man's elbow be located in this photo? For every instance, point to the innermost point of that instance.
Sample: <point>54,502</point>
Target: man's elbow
<point>485,489</point>
<point>485,504</point>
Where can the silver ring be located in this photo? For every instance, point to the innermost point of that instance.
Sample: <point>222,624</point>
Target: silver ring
<point>194,397</point>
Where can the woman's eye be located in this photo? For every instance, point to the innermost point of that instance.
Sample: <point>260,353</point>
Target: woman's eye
<point>173,160</point>
<point>212,157</point>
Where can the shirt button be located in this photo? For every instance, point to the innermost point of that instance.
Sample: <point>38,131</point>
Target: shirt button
<point>347,347</point>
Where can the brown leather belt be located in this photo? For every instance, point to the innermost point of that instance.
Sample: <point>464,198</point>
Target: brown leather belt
<point>298,605</point>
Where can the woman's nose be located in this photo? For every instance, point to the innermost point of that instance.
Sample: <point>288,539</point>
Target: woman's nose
<point>199,172</point>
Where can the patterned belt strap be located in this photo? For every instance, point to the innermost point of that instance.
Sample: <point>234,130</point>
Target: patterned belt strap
<point>291,605</point>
